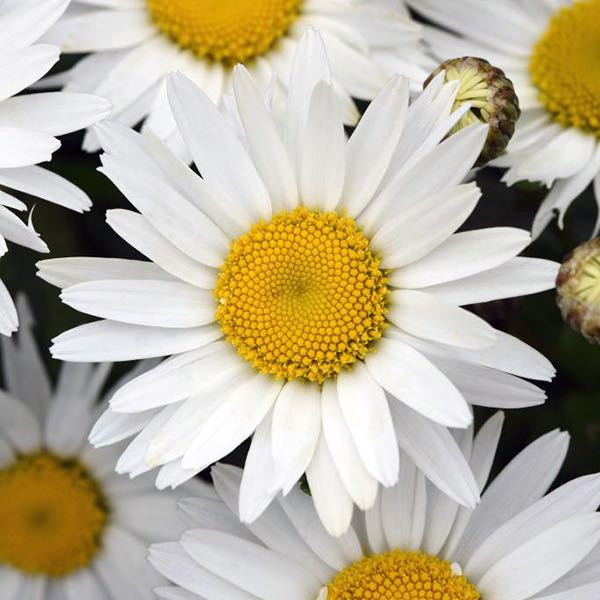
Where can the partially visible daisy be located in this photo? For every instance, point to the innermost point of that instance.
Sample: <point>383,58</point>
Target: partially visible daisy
<point>309,288</point>
<point>28,124</point>
<point>414,544</point>
<point>550,52</point>
<point>71,528</point>
<point>134,43</point>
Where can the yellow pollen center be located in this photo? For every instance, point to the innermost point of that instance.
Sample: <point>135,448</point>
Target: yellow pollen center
<point>565,66</point>
<point>52,515</point>
<point>586,287</point>
<point>400,575</point>
<point>302,297</point>
<point>227,31</point>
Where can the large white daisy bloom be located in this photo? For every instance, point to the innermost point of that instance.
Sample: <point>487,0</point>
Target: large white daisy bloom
<point>549,50</point>
<point>414,544</point>
<point>134,43</point>
<point>71,528</point>
<point>309,288</point>
<point>29,124</point>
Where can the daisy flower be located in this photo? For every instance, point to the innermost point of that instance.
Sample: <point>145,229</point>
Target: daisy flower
<point>28,124</point>
<point>547,49</point>
<point>71,528</point>
<point>134,43</point>
<point>518,544</point>
<point>309,288</point>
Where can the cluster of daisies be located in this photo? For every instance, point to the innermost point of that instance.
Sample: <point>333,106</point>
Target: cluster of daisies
<point>304,288</point>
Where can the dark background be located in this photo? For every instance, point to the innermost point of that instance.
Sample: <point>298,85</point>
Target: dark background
<point>574,396</point>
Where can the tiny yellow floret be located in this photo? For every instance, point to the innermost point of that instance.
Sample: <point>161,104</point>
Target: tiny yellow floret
<point>52,515</point>
<point>565,66</point>
<point>401,575</point>
<point>226,31</point>
<point>302,296</point>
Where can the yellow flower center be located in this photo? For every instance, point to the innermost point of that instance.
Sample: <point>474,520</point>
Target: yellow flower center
<point>587,286</point>
<point>52,515</point>
<point>302,297</point>
<point>565,66</point>
<point>228,31</point>
<point>400,575</point>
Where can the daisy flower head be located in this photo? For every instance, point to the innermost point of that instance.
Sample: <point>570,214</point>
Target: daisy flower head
<point>550,52</point>
<point>519,543</point>
<point>309,289</point>
<point>29,124</point>
<point>71,527</point>
<point>134,43</point>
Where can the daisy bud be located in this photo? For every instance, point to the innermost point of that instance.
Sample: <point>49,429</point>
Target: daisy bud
<point>578,286</point>
<point>492,97</point>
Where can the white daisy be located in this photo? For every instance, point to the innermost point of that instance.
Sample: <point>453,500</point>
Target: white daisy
<point>414,544</point>
<point>309,290</point>
<point>134,43</point>
<point>549,49</point>
<point>71,528</point>
<point>28,125</point>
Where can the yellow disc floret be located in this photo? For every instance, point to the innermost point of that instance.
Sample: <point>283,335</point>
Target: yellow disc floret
<point>400,575</point>
<point>52,515</point>
<point>302,297</point>
<point>565,66</point>
<point>228,31</point>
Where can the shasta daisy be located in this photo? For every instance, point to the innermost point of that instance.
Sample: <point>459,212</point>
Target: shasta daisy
<point>309,289</point>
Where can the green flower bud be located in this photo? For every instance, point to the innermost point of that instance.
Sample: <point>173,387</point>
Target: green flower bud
<point>492,97</point>
<point>578,286</point>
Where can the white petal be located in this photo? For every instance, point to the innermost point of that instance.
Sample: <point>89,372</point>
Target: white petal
<point>178,378</point>
<point>233,422</point>
<point>67,272</point>
<point>265,145</point>
<point>414,231</point>
<point>361,485</point>
<point>542,560</point>
<point>24,22</point>
<point>172,561</point>
<point>22,147</point>
<point>403,508</point>
<point>461,255</point>
<point>408,376</point>
<point>519,276</point>
<point>436,453</point>
<point>333,503</point>
<point>143,302</point>
<point>257,489</point>
<point>311,65</point>
<point>577,497</point>
<point>251,567</point>
<point>9,320</point>
<point>19,70</point>
<point>14,230</point>
<point>524,480</point>
<point>408,187</point>
<point>273,528</point>
<point>140,234</point>
<point>372,144</point>
<point>46,185</point>
<point>336,552</point>
<point>217,152</point>
<point>101,30</point>
<point>18,424</point>
<point>54,113</point>
<point>296,428</point>
<point>322,166</point>
<point>110,340</point>
<point>367,415</point>
<point>423,315</point>
<point>172,214</point>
